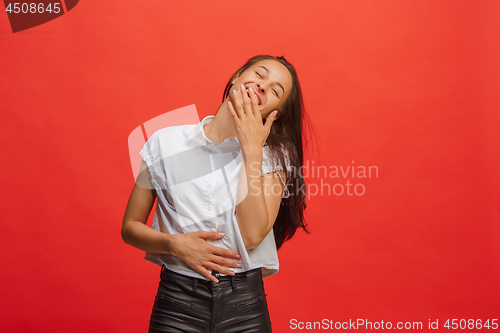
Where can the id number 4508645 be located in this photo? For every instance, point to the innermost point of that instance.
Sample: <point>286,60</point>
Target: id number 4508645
<point>25,7</point>
<point>470,324</point>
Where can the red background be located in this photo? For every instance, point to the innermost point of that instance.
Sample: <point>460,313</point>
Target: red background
<point>408,86</point>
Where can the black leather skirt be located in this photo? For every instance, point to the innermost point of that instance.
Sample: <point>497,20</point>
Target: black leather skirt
<point>186,304</point>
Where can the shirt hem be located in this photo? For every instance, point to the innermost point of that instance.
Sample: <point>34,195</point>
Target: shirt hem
<point>266,270</point>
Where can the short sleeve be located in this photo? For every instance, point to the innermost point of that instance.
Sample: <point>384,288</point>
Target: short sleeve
<point>149,153</point>
<point>272,165</point>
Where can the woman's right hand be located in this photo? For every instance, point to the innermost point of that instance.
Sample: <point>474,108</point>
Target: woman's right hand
<point>200,255</point>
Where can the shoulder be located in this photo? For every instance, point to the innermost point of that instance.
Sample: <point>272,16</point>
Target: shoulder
<point>171,133</point>
<point>277,152</point>
<point>173,130</point>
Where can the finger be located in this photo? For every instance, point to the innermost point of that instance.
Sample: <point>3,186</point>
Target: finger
<point>225,262</point>
<point>233,113</point>
<point>237,104</point>
<point>270,119</point>
<point>224,252</point>
<point>207,274</point>
<point>247,103</point>
<point>221,269</point>
<point>254,102</point>
<point>209,234</point>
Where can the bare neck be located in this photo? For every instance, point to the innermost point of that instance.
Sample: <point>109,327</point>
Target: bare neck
<point>221,126</point>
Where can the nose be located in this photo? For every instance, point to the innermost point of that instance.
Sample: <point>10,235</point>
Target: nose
<point>260,88</point>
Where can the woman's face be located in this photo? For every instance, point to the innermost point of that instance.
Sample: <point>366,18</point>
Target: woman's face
<point>272,82</point>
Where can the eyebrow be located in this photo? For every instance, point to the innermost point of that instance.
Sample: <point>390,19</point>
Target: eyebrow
<point>279,84</point>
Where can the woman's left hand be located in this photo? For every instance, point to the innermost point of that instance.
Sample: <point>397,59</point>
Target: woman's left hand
<point>251,133</point>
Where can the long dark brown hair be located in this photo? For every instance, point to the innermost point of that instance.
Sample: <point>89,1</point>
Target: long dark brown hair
<point>286,137</point>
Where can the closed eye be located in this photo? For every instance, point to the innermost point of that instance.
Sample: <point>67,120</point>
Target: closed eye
<point>275,92</point>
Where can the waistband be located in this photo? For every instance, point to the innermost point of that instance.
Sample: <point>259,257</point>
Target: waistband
<point>255,273</point>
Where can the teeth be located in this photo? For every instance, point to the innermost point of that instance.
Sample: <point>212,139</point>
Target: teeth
<point>258,99</point>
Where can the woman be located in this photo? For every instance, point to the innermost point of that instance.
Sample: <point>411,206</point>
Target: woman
<point>229,193</point>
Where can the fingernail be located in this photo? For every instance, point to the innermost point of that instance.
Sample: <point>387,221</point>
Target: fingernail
<point>250,89</point>
<point>239,265</point>
<point>228,103</point>
<point>216,281</point>
<point>234,92</point>
<point>231,273</point>
<point>238,256</point>
<point>275,113</point>
<point>242,87</point>
<point>221,234</point>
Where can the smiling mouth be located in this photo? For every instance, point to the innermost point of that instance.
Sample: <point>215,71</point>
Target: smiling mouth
<point>257,96</point>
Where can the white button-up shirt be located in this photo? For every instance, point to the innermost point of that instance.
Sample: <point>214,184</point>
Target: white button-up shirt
<point>196,184</point>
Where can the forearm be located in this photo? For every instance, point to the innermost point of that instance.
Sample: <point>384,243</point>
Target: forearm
<point>141,236</point>
<point>251,212</point>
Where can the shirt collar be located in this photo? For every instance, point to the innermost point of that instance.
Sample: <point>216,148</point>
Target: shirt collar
<point>199,136</point>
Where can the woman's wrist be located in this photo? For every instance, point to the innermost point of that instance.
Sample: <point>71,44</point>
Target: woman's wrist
<point>170,243</point>
<point>252,153</point>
